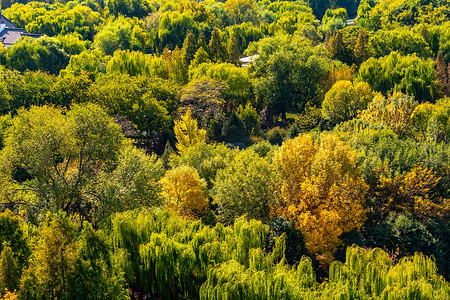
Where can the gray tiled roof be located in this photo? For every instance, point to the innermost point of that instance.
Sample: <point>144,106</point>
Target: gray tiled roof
<point>4,20</point>
<point>9,34</point>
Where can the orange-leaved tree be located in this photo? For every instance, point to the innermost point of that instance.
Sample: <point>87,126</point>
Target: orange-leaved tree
<point>320,189</point>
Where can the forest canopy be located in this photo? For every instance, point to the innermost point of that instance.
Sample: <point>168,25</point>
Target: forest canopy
<point>239,149</point>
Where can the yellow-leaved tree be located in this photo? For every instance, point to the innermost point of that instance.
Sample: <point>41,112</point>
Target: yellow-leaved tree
<point>187,132</point>
<point>394,112</point>
<point>320,189</point>
<point>185,193</point>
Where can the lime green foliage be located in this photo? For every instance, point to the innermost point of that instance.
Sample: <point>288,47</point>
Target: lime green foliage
<point>389,14</point>
<point>403,40</point>
<point>372,275</point>
<point>334,18</point>
<point>206,158</point>
<point>236,79</point>
<point>343,101</point>
<point>250,118</point>
<point>55,19</point>
<point>395,72</point>
<point>136,63</point>
<point>168,256</point>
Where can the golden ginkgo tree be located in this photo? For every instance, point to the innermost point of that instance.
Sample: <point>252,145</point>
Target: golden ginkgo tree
<point>187,132</point>
<point>184,191</point>
<point>320,189</point>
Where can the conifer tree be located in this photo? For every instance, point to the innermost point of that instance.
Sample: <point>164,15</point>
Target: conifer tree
<point>233,51</point>
<point>361,49</point>
<point>201,42</point>
<point>200,57</point>
<point>217,51</point>
<point>189,48</point>
<point>338,49</point>
<point>179,70</point>
<point>442,74</point>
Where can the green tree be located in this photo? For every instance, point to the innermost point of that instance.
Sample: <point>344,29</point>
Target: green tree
<point>45,54</point>
<point>338,48</point>
<point>133,8</point>
<point>361,48</point>
<point>132,184</point>
<point>233,51</point>
<point>52,260</point>
<point>95,275</point>
<point>442,75</point>
<point>9,270</point>
<point>201,56</point>
<point>234,131</point>
<point>12,236</point>
<point>344,100</point>
<point>54,156</point>
<point>243,188</point>
<point>288,74</point>
<point>397,73</point>
<point>217,51</point>
<point>189,49</point>
<point>250,118</point>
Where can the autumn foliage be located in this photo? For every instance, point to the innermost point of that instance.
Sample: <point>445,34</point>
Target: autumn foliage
<point>320,189</point>
<point>184,191</point>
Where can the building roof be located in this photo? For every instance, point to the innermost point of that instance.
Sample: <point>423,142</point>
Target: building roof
<point>7,23</point>
<point>9,34</point>
<point>245,61</point>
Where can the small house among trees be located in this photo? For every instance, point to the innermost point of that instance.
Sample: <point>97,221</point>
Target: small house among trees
<point>9,34</point>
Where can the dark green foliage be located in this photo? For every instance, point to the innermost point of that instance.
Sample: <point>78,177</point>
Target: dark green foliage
<point>189,48</point>
<point>275,137</point>
<point>288,74</point>
<point>338,49</point>
<point>9,270</point>
<point>217,51</point>
<point>295,245</point>
<point>234,131</point>
<point>12,236</point>
<point>132,8</point>
<point>95,275</point>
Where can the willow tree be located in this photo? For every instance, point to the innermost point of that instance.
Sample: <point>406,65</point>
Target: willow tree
<point>372,274</point>
<point>169,257</point>
<point>320,189</point>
